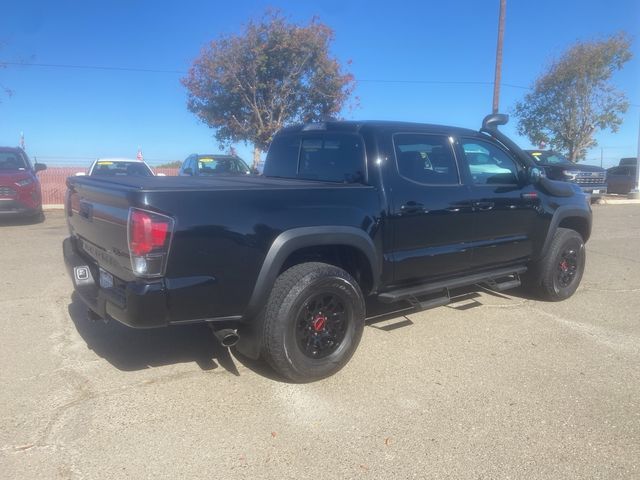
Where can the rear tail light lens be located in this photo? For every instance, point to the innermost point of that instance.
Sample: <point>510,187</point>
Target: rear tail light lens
<point>149,236</point>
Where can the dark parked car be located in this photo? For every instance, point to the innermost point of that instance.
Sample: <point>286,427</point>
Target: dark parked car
<point>621,179</point>
<point>20,193</point>
<point>207,165</point>
<point>630,161</point>
<point>592,179</point>
<point>345,212</point>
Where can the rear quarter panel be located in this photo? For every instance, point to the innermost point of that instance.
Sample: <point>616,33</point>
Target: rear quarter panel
<point>222,237</point>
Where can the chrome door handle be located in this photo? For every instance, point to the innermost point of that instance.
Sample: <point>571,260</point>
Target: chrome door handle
<point>412,207</point>
<point>484,205</point>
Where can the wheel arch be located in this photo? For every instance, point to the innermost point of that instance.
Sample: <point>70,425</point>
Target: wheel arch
<point>290,242</point>
<point>568,217</point>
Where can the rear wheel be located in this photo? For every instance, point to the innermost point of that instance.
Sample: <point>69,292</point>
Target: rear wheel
<point>313,321</point>
<point>557,275</point>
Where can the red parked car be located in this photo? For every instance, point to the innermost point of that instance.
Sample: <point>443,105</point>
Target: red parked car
<point>20,193</point>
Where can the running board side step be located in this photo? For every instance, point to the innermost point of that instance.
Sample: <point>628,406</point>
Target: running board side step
<point>512,281</point>
<point>434,302</point>
<point>510,277</point>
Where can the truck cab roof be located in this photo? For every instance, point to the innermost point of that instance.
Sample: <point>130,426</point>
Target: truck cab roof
<point>357,126</point>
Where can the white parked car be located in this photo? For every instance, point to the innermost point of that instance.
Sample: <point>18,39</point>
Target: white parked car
<point>119,167</point>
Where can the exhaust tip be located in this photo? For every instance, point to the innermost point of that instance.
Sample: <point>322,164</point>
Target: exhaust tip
<point>227,337</point>
<point>230,340</point>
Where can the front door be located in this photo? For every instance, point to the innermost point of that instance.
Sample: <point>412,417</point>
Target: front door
<point>430,212</point>
<point>504,205</point>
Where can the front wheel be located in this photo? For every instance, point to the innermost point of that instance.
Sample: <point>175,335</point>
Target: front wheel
<point>313,321</point>
<point>557,275</point>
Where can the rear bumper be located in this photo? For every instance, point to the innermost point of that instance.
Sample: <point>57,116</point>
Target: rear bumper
<point>135,304</point>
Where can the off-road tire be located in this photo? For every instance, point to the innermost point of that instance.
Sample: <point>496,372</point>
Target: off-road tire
<point>545,277</point>
<point>289,307</point>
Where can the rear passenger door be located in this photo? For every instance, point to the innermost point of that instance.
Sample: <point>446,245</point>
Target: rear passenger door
<point>505,217</point>
<point>430,208</point>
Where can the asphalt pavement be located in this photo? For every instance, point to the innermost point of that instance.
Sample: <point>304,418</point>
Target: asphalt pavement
<point>492,386</point>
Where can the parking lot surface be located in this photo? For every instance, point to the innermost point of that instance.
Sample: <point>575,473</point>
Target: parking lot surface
<point>491,386</point>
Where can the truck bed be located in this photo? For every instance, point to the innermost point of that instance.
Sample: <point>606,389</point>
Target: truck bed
<point>220,182</point>
<point>224,227</point>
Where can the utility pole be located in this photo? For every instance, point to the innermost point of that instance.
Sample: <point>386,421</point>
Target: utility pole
<point>635,193</point>
<point>498,74</point>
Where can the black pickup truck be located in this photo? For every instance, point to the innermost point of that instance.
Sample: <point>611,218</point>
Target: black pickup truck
<point>284,263</point>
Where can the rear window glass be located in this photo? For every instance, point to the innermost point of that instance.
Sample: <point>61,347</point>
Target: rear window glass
<point>213,166</point>
<point>11,161</point>
<point>109,168</point>
<point>329,158</point>
<point>282,158</point>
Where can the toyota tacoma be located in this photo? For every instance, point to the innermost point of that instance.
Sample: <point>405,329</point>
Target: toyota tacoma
<point>345,212</point>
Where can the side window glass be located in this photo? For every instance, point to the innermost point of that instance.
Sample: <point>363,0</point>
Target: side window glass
<point>426,158</point>
<point>488,164</point>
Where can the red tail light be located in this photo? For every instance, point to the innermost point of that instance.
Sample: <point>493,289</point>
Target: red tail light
<point>147,232</point>
<point>149,239</point>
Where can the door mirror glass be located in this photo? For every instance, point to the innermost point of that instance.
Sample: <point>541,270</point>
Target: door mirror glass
<point>535,174</point>
<point>39,167</point>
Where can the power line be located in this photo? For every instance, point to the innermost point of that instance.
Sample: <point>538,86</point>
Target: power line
<point>439,82</point>
<point>183,72</point>
<point>92,67</point>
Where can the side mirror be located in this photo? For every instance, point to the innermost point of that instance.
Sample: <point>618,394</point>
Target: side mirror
<point>39,167</point>
<point>535,174</point>
<point>188,171</point>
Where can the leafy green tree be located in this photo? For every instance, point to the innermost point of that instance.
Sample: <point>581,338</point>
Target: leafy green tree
<point>273,74</point>
<point>574,98</point>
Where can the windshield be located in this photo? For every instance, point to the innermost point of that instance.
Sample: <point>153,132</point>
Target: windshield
<point>11,160</point>
<point>549,158</point>
<point>112,168</point>
<point>217,165</point>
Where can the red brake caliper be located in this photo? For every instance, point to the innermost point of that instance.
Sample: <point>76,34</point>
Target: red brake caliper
<point>319,322</point>
<point>564,266</point>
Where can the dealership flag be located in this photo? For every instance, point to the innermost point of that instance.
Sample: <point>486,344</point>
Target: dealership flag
<point>139,156</point>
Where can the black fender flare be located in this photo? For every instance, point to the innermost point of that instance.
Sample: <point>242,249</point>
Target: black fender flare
<point>296,238</point>
<point>562,213</point>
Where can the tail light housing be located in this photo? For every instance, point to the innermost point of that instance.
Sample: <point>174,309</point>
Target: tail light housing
<point>149,237</point>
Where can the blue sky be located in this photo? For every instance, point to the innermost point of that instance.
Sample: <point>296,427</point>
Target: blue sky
<point>76,114</point>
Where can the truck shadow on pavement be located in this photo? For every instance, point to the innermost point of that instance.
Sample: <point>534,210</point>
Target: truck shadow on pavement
<point>130,349</point>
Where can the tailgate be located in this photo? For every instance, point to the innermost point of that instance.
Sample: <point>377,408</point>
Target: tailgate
<point>97,214</point>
